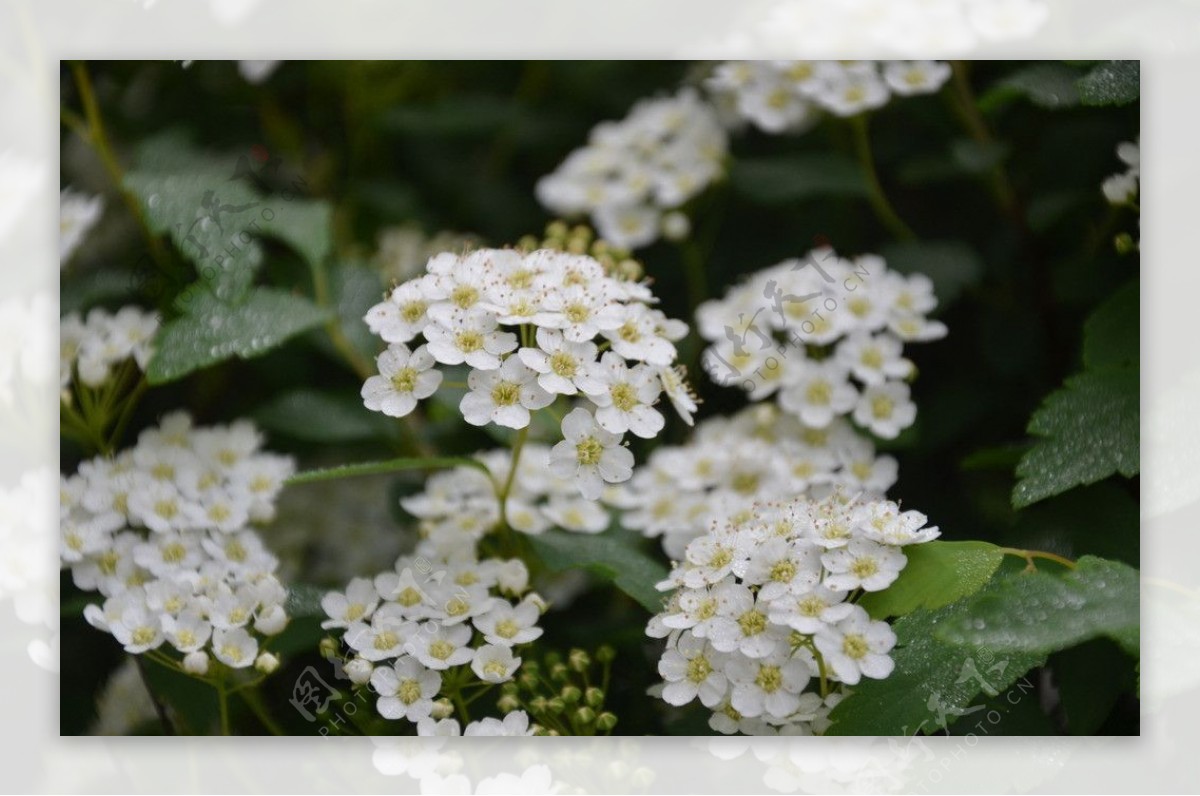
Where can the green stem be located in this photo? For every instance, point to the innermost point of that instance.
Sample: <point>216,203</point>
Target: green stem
<point>223,707</point>
<point>967,109</point>
<point>695,272</point>
<point>879,201</point>
<point>1030,555</point>
<point>95,134</point>
<point>389,466</point>
<point>131,403</point>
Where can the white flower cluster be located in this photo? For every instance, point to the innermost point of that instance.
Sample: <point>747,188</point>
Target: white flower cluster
<point>161,530</point>
<point>557,304</point>
<point>731,464</point>
<point>77,214</point>
<point>783,96</point>
<point>459,506</point>
<point>826,335</point>
<point>430,619</point>
<point>1122,188</point>
<point>91,348</point>
<point>634,171</point>
<point>764,611</point>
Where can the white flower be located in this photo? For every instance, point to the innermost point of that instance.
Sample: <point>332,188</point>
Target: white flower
<point>196,663</point>
<point>563,367</point>
<point>582,311</point>
<point>575,514</point>
<point>387,636</point>
<point>693,668</point>
<point>745,627</point>
<point>883,522</point>
<point>590,455</point>
<point>856,647</point>
<point>503,396</point>
<point>403,315</point>
<point>1120,188</point>
<point>494,663</point>
<point>431,727</point>
<point>916,77</point>
<point>234,647</point>
<point>406,690</point>
<point>767,686</point>
<point>811,611</point>
<point>188,632</point>
<point>441,646</point>
<point>885,409</point>
<point>780,567</point>
<point>862,564</point>
<point>515,723</point>
<point>873,359</point>
<point>627,399</point>
<point>643,337</point>
<point>359,670</point>
<point>470,337</point>
<point>851,92</point>
<point>405,377</point>
<point>678,392</point>
<point>818,392</point>
<point>508,625</point>
<point>354,605</point>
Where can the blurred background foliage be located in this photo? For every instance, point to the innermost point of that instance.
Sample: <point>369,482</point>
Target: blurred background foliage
<point>998,175</point>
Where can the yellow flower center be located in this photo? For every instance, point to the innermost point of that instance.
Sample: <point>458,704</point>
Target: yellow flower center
<point>386,640</point>
<point>769,679</point>
<point>624,397</point>
<point>412,311</point>
<point>506,393</point>
<point>441,649</point>
<point>783,571</point>
<point>698,669</point>
<point>409,691</point>
<point>143,635</point>
<point>864,567</point>
<point>855,646</point>
<point>752,622</point>
<point>882,406</point>
<point>819,393</point>
<point>563,364</point>
<point>464,296</point>
<point>469,341</point>
<point>507,628</point>
<point>589,451</point>
<point>577,313</point>
<point>405,379</point>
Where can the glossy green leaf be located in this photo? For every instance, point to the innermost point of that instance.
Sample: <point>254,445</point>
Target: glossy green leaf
<point>213,331</point>
<point>1111,83</point>
<point>304,224</point>
<point>937,574</point>
<point>1088,431</point>
<point>1042,612</point>
<point>934,683</point>
<point>1111,335</point>
<point>1048,85</point>
<point>613,555</point>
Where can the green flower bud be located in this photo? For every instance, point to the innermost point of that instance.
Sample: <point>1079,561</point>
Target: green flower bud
<point>1124,243</point>
<point>559,673</point>
<point>508,703</point>
<point>538,704</point>
<point>594,697</point>
<point>556,229</point>
<point>556,705</point>
<point>571,694</point>
<point>605,654</point>
<point>606,721</point>
<point>442,709</point>
<point>584,716</point>
<point>579,660</point>
<point>329,648</point>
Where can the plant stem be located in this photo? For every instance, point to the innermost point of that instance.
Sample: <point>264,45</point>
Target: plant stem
<point>223,707</point>
<point>879,201</point>
<point>967,109</point>
<point>1030,555</point>
<point>389,466</point>
<point>695,273</point>
<point>94,133</point>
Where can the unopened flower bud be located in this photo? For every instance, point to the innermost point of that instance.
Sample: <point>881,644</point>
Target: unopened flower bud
<point>559,673</point>
<point>585,715</point>
<point>605,654</point>
<point>196,663</point>
<point>508,703</point>
<point>555,705</point>
<point>442,709</point>
<point>359,670</point>
<point>271,621</point>
<point>571,694</point>
<point>594,697</point>
<point>266,663</point>
<point>579,660</point>
<point>606,721</point>
<point>328,648</point>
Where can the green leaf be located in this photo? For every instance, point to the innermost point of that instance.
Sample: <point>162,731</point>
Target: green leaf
<point>1111,83</point>
<point>304,224</point>
<point>779,180</point>
<point>1089,431</point>
<point>1038,613</point>
<point>389,466</point>
<point>952,265</point>
<point>614,555</point>
<point>212,331</point>
<point>937,574</point>
<point>1111,335</point>
<point>933,682</point>
<point>1047,85</point>
<point>304,600</point>
<point>315,416</point>
<point>208,216</point>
